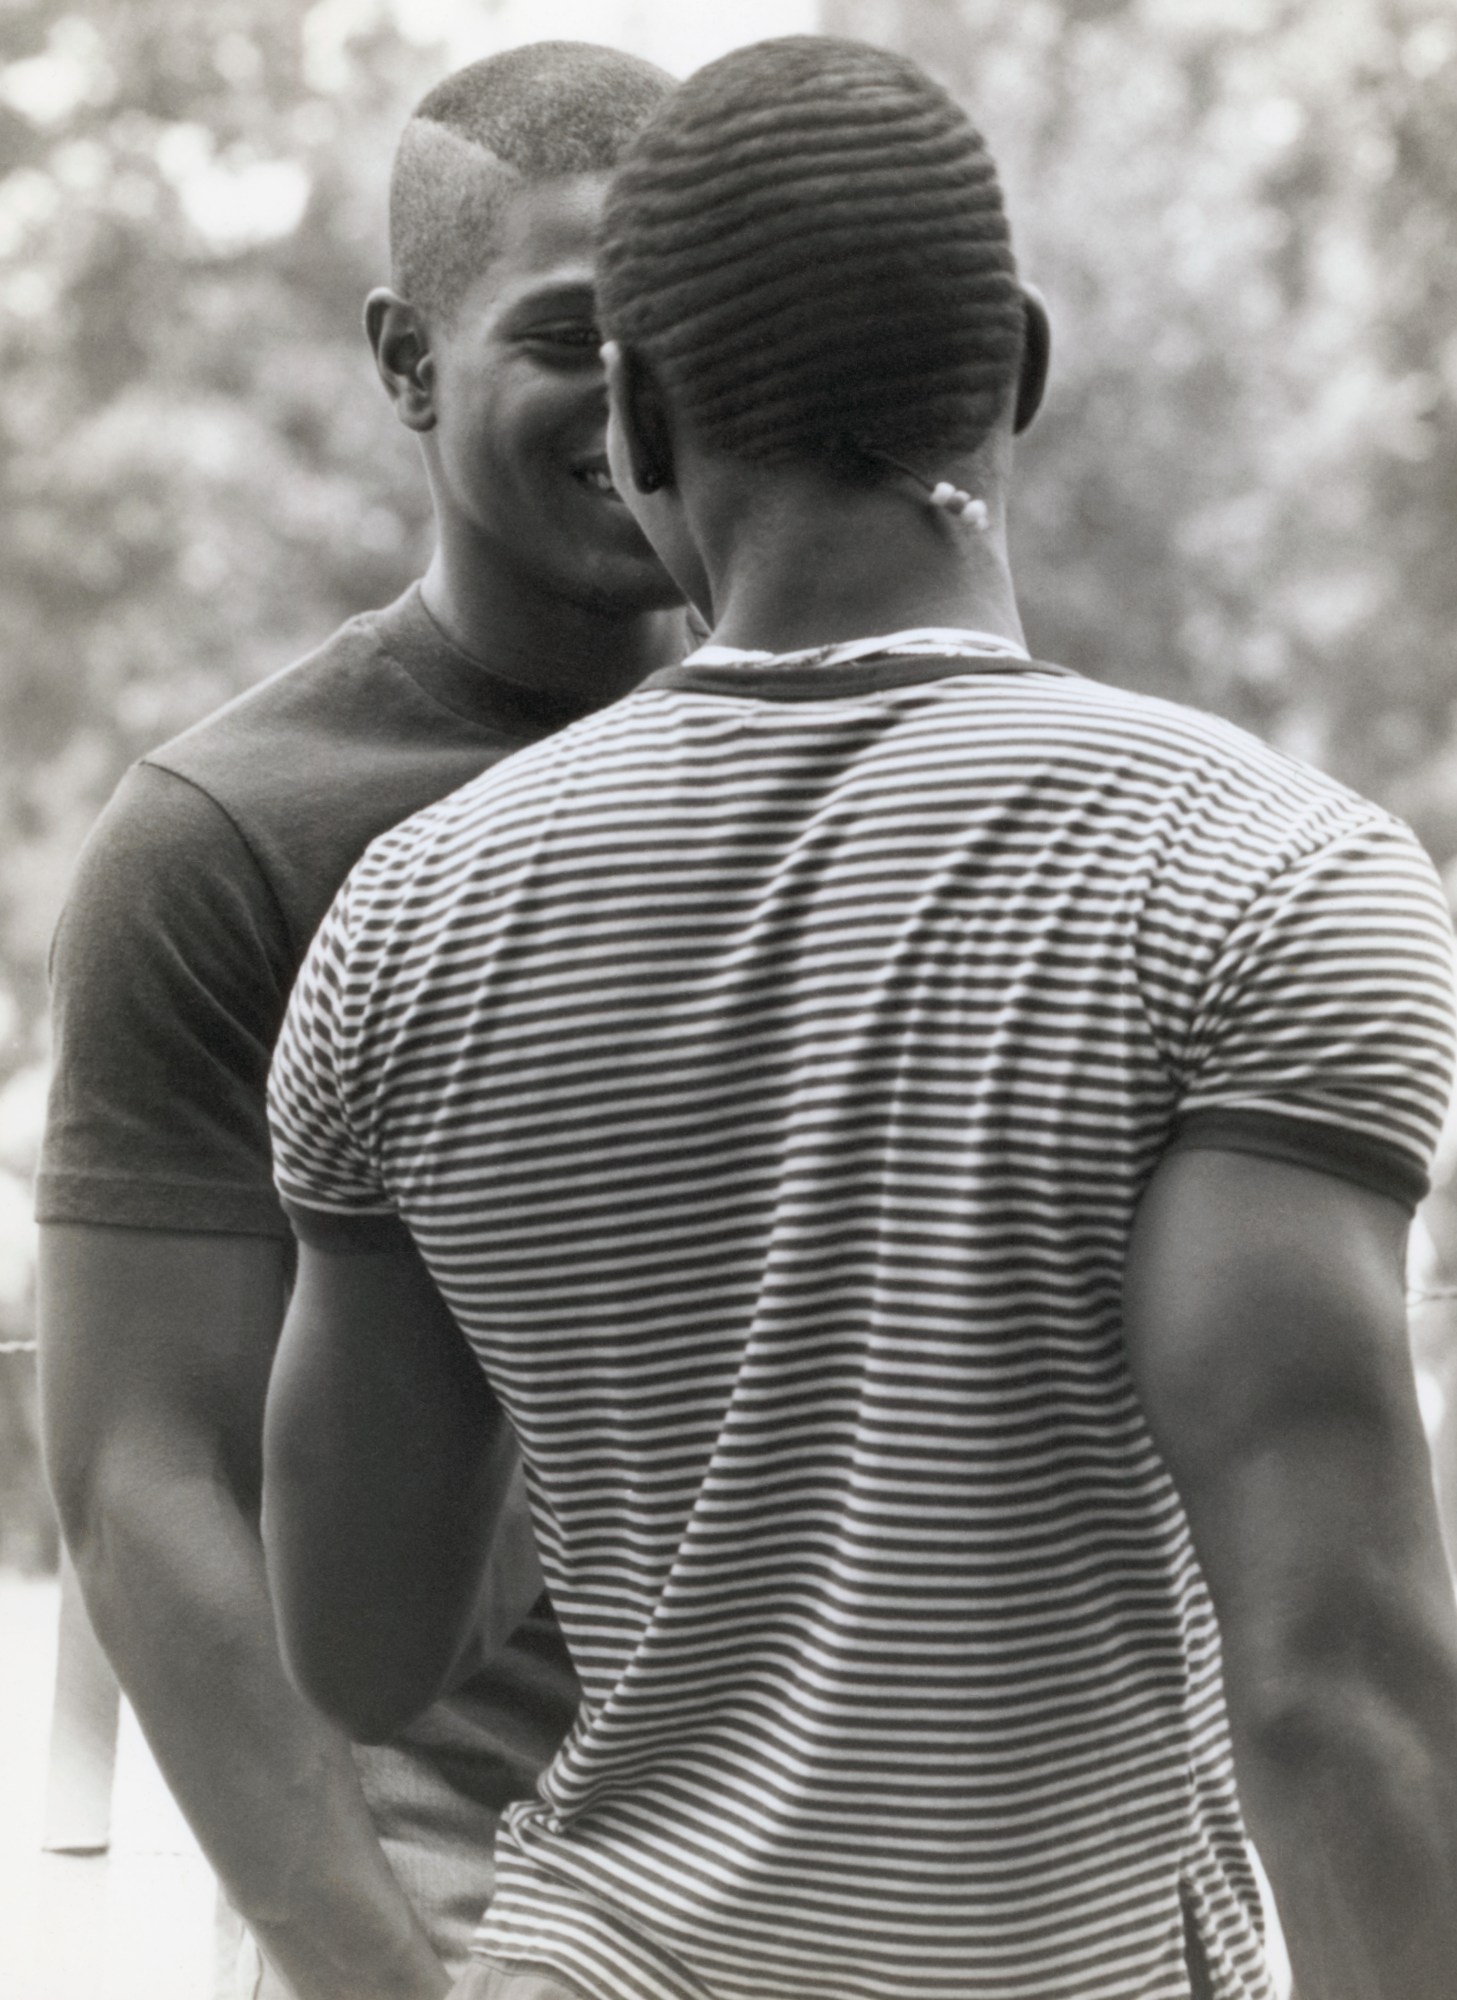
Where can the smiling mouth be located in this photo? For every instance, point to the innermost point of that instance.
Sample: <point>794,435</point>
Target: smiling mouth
<point>596,478</point>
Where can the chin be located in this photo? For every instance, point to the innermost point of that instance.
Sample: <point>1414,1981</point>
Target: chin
<point>689,585</point>
<point>677,561</point>
<point>666,596</point>
<point>632,588</point>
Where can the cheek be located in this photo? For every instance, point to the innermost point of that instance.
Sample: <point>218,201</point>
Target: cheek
<point>492,419</point>
<point>470,427</point>
<point>526,432</point>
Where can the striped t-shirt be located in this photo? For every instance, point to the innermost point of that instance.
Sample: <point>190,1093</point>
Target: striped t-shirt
<point>768,1068</point>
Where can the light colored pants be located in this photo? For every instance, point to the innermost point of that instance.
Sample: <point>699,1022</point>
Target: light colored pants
<point>484,1979</point>
<point>240,1971</point>
<point>438,1841</point>
<point>495,1979</point>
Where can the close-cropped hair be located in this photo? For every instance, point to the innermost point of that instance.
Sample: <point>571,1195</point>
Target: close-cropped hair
<point>808,244</point>
<point>532,114</point>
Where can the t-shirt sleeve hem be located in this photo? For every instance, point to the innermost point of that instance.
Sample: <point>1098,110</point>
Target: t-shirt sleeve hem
<point>1359,1157</point>
<point>332,1229</point>
<point>126,1201</point>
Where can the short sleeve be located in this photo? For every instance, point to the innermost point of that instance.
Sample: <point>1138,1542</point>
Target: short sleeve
<point>326,1178</point>
<point>1325,1028</point>
<point>169,972</point>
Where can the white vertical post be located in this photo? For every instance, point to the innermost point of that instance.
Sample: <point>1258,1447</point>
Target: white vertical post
<point>84,1715</point>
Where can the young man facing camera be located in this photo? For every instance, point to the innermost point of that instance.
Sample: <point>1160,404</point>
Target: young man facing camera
<point>165,1258</point>
<point>919,1145</point>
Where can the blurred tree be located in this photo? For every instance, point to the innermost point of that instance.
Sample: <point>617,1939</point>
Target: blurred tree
<point>1242,492</point>
<point>198,474</point>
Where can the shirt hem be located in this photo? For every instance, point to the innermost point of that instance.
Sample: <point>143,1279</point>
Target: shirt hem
<point>335,1229</point>
<point>1353,1156</point>
<point>123,1201</point>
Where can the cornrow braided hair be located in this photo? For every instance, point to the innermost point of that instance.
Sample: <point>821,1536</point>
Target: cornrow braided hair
<point>808,241</point>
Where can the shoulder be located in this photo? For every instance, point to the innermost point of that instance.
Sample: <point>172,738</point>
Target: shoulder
<point>314,763</point>
<point>1206,792</point>
<point>186,806</point>
<point>157,837</point>
<point>323,690</point>
<point>169,972</point>
<point>1177,737</point>
<point>166,902</point>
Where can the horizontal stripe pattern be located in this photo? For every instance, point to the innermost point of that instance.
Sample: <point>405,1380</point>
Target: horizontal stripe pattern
<point>769,1084</point>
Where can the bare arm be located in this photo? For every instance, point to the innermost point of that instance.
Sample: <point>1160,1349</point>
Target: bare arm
<point>1265,1323</point>
<point>155,1350</point>
<point>391,1540</point>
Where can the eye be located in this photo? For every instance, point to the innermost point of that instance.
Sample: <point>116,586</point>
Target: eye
<point>575,336</point>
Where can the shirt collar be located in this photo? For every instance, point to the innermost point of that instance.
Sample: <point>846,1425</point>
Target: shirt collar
<point>924,641</point>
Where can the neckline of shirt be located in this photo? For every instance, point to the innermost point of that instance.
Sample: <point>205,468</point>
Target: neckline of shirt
<point>468,687</point>
<point>922,641</point>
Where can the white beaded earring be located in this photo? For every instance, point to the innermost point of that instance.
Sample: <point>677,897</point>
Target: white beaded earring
<point>960,505</point>
<point>952,500</point>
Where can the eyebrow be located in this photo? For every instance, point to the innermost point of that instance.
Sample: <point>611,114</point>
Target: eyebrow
<point>574,296</point>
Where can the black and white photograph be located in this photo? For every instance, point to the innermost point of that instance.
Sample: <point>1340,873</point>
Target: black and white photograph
<point>728,1161</point>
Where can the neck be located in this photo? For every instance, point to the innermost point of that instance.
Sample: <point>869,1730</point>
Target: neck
<point>587,653</point>
<point>799,570</point>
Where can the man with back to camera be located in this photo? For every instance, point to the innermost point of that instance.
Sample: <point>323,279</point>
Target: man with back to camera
<point>165,1258</point>
<point>918,1144</point>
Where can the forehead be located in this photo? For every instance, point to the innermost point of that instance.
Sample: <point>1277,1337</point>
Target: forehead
<point>546,234</point>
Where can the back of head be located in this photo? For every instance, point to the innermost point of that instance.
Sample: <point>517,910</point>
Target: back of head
<point>808,243</point>
<point>536,113</point>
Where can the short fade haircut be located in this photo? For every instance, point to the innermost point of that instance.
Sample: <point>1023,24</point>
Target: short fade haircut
<point>808,243</point>
<point>532,114</point>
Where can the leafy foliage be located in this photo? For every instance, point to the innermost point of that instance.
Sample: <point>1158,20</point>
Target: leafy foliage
<point>1242,491</point>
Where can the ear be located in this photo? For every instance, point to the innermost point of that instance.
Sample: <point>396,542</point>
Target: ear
<point>400,341</point>
<point>640,417</point>
<point>1036,357</point>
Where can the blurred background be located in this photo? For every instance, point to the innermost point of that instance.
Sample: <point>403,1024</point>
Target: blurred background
<point>1242,493</point>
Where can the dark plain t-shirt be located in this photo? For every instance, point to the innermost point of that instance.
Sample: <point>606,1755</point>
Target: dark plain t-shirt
<point>196,896</point>
<point>193,903</point>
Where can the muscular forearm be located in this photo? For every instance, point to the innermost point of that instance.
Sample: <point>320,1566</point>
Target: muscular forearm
<point>1351,1800</point>
<point>176,1588</point>
<point>1340,1648</point>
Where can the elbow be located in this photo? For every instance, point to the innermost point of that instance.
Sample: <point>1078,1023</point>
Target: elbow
<point>88,1471</point>
<point>73,1488</point>
<point>101,1498</point>
<point>138,1535</point>
<point>1362,1768</point>
<point>372,1726</point>
<point>1361,1696</point>
<point>359,1712</point>
<point>370,1707</point>
<point>1293,1726</point>
<point>346,1650</point>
